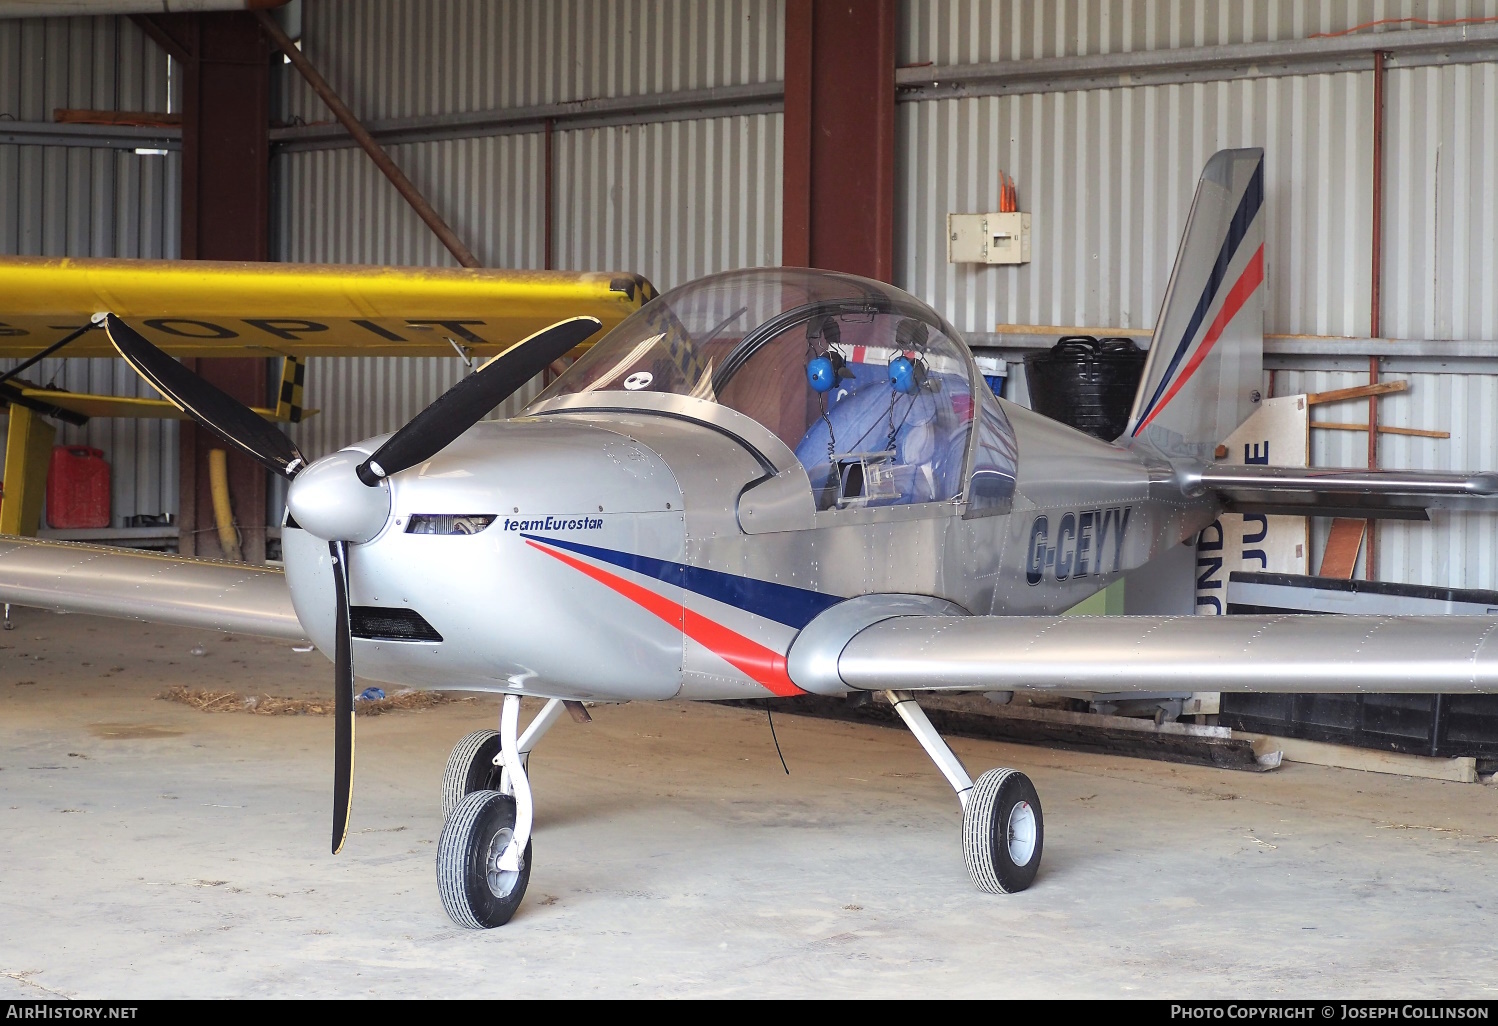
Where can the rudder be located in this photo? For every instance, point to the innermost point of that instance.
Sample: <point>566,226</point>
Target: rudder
<point>1205,366</point>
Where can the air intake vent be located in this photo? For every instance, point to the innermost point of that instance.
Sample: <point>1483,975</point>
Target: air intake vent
<point>382,623</point>
<point>449,523</point>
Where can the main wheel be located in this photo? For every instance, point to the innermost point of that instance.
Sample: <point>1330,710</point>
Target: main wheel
<point>475,893</point>
<point>1002,832</point>
<point>470,768</point>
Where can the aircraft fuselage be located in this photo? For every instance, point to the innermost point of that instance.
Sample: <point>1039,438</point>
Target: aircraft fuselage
<point>623,561</point>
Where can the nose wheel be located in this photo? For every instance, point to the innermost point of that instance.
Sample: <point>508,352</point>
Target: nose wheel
<point>484,855</point>
<point>478,889</point>
<point>472,766</point>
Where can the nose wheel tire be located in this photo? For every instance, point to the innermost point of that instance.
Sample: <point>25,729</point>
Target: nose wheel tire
<point>476,893</point>
<point>470,768</point>
<point>1003,832</point>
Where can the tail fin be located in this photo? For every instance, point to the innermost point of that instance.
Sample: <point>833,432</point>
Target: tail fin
<point>1206,360</point>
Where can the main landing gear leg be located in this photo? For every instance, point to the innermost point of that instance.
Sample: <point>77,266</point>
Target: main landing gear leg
<point>1003,831</point>
<point>484,855</point>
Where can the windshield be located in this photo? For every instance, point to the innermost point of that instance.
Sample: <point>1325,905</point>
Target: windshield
<point>866,384</point>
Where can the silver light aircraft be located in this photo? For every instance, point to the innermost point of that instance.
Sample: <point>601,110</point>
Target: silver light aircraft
<point>779,482</point>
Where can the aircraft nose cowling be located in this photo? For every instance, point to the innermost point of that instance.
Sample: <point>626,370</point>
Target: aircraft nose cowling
<point>329,501</point>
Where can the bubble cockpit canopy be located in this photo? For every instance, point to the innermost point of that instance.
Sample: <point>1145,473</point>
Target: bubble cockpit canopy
<point>867,385</point>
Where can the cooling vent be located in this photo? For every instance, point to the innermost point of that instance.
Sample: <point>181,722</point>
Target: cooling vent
<point>449,523</point>
<point>382,623</point>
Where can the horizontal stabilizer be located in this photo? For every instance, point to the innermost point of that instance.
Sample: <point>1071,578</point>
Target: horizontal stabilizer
<point>148,586</point>
<point>1291,653</point>
<point>1329,491</point>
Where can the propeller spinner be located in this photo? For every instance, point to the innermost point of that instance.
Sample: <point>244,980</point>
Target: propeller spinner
<point>339,498</point>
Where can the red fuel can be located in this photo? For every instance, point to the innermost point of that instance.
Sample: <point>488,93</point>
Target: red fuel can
<point>77,487</point>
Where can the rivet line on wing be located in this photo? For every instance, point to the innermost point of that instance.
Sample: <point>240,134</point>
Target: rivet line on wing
<point>1368,635</point>
<point>1035,638</point>
<point>1482,640</point>
<point>1263,628</point>
<point>1159,622</point>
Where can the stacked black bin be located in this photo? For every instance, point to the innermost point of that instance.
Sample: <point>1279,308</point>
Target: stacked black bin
<point>1086,382</point>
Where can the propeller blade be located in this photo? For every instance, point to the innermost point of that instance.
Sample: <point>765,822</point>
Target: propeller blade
<point>463,405</point>
<point>343,700</point>
<point>219,412</point>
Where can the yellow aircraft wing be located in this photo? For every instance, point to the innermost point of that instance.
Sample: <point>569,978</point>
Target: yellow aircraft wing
<point>196,308</point>
<point>128,406</point>
<point>54,401</point>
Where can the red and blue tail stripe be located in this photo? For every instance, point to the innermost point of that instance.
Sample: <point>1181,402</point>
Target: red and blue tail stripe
<point>1248,281</point>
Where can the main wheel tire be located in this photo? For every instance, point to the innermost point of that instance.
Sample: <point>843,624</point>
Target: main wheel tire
<point>470,768</point>
<point>1003,832</point>
<point>474,893</point>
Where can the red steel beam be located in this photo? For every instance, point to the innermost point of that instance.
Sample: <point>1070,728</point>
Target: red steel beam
<point>1375,309</point>
<point>225,215</point>
<point>548,226</point>
<point>839,145</point>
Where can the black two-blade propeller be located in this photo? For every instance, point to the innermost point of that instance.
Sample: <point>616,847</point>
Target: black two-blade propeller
<point>427,434</point>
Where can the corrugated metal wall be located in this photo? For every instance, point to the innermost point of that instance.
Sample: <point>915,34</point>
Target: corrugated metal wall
<point>392,58</point>
<point>980,31</point>
<point>335,207</point>
<point>1441,168</point>
<point>672,200</point>
<point>1109,174</point>
<point>675,200</point>
<point>1454,550</point>
<point>73,201</point>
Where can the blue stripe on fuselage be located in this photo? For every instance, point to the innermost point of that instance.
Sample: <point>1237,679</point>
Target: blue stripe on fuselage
<point>794,607</point>
<point>1248,205</point>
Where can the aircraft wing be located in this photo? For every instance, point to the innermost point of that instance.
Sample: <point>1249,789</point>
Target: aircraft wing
<point>1330,491</point>
<point>196,308</point>
<point>147,586</point>
<point>1292,653</point>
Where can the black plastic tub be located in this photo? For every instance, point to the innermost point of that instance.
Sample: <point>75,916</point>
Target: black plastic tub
<point>1086,382</point>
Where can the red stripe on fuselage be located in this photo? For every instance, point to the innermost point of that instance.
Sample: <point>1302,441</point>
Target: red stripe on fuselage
<point>1251,278</point>
<point>764,665</point>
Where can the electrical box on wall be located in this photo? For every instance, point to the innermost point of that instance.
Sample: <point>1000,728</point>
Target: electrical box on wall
<point>994,238</point>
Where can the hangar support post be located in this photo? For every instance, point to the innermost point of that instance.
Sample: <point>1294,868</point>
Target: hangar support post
<point>225,216</point>
<point>839,152</point>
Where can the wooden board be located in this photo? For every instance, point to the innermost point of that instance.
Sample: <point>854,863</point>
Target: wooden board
<point>1338,395</point>
<point>1383,429</point>
<point>1343,544</point>
<point>1463,770</point>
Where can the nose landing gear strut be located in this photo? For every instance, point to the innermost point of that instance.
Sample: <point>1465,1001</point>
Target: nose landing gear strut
<point>484,854</point>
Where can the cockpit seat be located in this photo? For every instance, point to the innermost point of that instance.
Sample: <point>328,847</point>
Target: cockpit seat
<point>929,437</point>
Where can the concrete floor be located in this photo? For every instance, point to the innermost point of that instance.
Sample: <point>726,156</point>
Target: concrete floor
<point>152,850</point>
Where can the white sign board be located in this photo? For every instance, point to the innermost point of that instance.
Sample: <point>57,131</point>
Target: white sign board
<point>1277,435</point>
